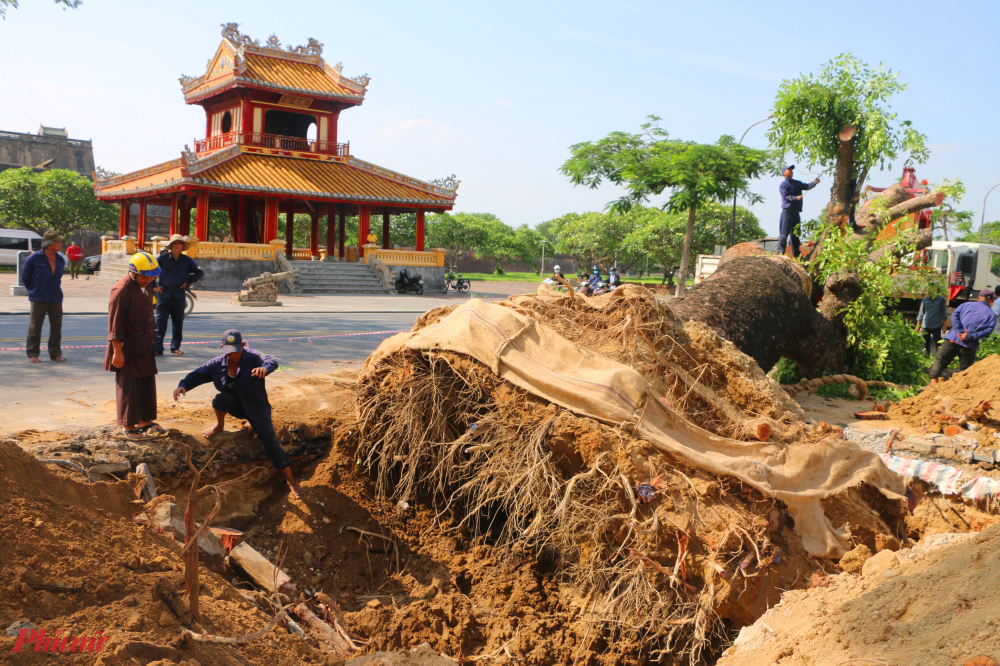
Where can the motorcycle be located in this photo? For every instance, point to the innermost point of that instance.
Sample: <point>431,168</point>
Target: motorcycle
<point>456,282</point>
<point>404,283</point>
<point>190,297</point>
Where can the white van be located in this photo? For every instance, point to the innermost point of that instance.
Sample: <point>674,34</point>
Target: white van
<point>13,241</point>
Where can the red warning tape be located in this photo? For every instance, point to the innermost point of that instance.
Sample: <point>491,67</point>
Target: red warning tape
<point>310,338</point>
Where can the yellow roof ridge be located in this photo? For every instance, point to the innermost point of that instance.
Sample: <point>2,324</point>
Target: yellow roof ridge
<point>230,63</point>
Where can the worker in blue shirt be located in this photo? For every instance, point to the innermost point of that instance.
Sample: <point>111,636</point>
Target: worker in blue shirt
<point>239,375</point>
<point>971,322</point>
<point>791,206</point>
<point>179,271</point>
<point>42,274</point>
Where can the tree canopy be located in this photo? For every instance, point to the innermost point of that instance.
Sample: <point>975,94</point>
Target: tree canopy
<point>651,162</point>
<point>57,199</point>
<point>841,119</point>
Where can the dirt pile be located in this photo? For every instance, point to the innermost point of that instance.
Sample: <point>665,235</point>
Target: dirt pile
<point>636,555</point>
<point>74,562</point>
<point>936,603</point>
<point>955,401</point>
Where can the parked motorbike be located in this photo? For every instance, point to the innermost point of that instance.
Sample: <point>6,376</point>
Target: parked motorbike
<point>190,297</point>
<point>456,282</point>
<point>405,283</point>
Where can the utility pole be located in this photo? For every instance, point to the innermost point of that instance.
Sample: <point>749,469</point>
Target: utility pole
<point>543,256</point>
<point>732,231</point>
<point>982,219</point>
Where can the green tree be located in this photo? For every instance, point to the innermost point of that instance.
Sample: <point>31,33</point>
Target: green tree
<point>660,232</point>
<point>450,232</point>
<point>596,238</point>
<point>4,4</point>
<point>57,199</point>
<point>529,246</point>
<point>841,119</point>
<point>491,238</point>
<point>648,163</point>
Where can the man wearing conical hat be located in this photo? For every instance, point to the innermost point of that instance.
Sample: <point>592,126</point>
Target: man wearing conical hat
<point>179,271</point>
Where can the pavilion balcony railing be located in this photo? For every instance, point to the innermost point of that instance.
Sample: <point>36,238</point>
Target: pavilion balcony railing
<point>272,141</point>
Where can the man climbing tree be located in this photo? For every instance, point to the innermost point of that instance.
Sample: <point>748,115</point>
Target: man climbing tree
<point>648,163</point>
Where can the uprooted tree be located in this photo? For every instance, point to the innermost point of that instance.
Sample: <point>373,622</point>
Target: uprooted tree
<point>842,119</point>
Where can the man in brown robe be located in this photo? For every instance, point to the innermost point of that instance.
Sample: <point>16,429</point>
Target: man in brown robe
<point>131,345</point>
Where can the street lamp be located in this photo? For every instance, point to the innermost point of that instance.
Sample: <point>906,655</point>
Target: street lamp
<point>732,231</point>
<point>647,263</point>
<point>983,218</point>
<point>543,256</point>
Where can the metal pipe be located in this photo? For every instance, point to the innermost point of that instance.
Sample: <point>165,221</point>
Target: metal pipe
<point>982,219</point>
<point>732,231</point>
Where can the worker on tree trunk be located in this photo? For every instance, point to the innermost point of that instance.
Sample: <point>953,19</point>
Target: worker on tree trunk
<point>791,206</point>
<point>239,377</point>
<point>131,342</point>
<point>970,323</point>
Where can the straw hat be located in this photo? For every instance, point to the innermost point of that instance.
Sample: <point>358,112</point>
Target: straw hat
<point>178,237</point>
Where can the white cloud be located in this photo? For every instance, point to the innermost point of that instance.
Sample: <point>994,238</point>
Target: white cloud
<point>395,130</point>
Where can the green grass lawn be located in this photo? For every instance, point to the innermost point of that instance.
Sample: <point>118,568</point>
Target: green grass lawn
<point>534,277</point>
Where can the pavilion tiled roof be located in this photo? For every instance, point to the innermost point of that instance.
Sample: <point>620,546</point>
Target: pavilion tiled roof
<point>301,70</point>
<point>246,172</point>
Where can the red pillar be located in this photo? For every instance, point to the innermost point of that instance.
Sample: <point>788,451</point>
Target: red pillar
<point>331,231</point>
<point>232,211</point>
<point>420,230</point>
<point>241,218</point>
<point>185,223</point>
<point>290,229</point>
<point>341,232</point>
<point>173,215</point>
<point>385,231</point>
<point>314,235</point>
<point>271,212</point>
<point>141,231</point>
<point>201,217</point>
<point>364,222</point>
<point>123,221</point>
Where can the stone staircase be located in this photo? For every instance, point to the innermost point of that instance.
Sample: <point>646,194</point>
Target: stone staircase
<point>112,270</point>
<point>337,277</point>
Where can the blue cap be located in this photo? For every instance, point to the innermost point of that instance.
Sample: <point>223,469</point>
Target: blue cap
<point>232,341</point>
<point>987,293</point>
<point>790,167</point>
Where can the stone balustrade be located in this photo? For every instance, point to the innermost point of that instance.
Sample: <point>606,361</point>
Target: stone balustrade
<point>435,257</point>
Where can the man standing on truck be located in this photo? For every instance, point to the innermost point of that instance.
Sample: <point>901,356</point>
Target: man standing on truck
<point>791,206</point>
<point>971,323</point>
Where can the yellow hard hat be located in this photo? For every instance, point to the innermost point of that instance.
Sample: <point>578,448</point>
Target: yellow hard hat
<point>145,264</point>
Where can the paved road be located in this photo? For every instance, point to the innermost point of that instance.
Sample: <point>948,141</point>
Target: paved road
<point>49,395</point>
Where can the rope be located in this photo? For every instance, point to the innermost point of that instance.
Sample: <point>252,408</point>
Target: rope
<point>812,385</point>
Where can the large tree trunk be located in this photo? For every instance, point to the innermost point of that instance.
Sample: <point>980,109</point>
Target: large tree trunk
<point>908,241</point>
<point>686,250</point>
<point>838,211</point>
<point>761,305</point>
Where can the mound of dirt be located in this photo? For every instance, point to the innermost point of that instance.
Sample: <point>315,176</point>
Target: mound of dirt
<point>950,403</point>
<point>635,553</point>
<point>937,603</point>
<point>75,564</point>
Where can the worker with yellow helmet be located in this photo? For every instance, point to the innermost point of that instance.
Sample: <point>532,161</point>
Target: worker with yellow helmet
<point>131,347</point>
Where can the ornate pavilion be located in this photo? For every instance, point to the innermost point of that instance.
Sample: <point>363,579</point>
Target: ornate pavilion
<point>258,160</point>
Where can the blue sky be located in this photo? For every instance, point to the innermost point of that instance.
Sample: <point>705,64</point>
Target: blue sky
<point>497,92</point>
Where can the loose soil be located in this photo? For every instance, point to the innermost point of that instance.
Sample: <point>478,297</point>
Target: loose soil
<point>925,605</point>
<point>474,567</point>
<point>933,408</point>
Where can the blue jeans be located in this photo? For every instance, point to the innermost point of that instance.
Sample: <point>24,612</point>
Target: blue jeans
<point>260,421</point>
<point>174,309</point>
<point>789,220</point>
